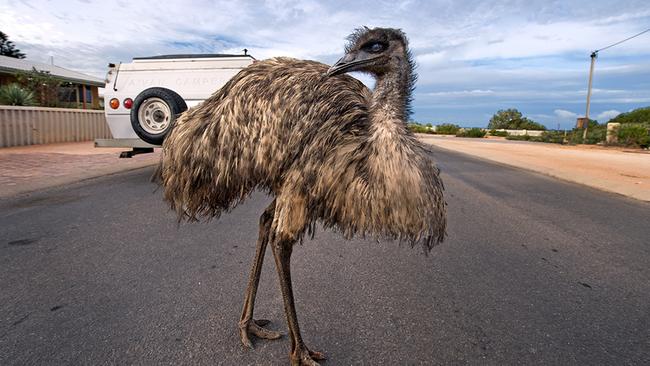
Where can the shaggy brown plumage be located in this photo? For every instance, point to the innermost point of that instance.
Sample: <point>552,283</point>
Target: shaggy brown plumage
<point>327,148</point>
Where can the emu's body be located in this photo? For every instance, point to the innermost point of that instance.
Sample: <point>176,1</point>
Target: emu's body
<point>328,149</point>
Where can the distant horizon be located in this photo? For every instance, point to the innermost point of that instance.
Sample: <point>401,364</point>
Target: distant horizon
<point>473,58</point>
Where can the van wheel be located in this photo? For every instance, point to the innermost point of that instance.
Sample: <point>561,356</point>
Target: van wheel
<point>154,112</point>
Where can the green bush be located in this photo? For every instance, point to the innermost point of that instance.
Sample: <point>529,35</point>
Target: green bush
<point>518,137</point>
<point>494,132</point>
<point>595,134</point>
<point>555,137</point>
<point>634,134</point>
<point>44,86</point>
<point>575,136</point>
<point>418,128</point>
<point>472,132</point>
<point>447,129</point>
<point>13,94</point>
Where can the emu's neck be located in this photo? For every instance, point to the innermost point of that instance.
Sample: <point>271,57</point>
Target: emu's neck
<point>391,99</point>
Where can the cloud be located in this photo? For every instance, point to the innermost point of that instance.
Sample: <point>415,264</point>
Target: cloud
<point>607,115</point>
<point>473,57</point>
<point>565,115</point>
<point>460,93</point>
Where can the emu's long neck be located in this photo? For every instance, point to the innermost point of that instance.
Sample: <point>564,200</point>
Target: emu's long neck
<point>391,101</point>
<point>392,172</point>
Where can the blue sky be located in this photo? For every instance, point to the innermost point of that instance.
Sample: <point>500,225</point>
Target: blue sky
<point>473,57</point>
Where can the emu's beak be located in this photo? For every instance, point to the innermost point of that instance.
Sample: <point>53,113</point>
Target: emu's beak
<point>349,62</point>
<point>341,65</point>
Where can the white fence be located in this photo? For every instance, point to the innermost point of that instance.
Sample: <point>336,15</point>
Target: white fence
<point>35,125</point>
<point>510,132</point>
<point>523,132</point>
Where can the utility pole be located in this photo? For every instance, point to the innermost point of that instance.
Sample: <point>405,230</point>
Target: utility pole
<point>594,55</point>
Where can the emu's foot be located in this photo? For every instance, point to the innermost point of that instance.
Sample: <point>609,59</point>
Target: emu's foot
<point>305,357</point>
<point>256,328</point>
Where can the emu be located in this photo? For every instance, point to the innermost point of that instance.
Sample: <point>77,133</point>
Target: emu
<point>328,150</point>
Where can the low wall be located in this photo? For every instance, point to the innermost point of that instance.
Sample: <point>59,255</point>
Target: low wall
<point>523,132</point>
<point>35,125</point>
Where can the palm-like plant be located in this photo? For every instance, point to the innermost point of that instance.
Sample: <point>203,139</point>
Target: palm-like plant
<point>13,94</point>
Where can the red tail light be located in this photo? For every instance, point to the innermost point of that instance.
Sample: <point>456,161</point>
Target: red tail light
<point>128,103</point>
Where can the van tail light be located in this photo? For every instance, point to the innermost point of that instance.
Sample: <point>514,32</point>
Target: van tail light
<point>128,103</point>
<point>114,103</point>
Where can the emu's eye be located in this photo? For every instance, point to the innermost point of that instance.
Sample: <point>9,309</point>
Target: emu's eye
<point>376,47</point>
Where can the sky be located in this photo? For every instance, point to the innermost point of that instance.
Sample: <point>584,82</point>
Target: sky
<point>473,57</point>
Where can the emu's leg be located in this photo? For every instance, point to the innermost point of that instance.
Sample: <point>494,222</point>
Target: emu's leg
<point>248,325</point>
<point>300,354</point>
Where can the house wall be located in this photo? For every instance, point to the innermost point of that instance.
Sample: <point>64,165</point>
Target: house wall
<point>92,99</point>
<point>95,96</point>
<point>7,79</point>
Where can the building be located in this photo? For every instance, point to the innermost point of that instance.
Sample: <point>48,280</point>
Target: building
<point>77,90</point>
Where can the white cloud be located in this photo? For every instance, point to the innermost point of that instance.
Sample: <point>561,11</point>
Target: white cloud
<point>459,93</point>
<point>471,55</point>
<point>607,115</point>
<point>565,115</point>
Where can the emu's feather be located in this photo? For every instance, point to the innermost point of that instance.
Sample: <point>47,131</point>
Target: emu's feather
<point>324,146</point>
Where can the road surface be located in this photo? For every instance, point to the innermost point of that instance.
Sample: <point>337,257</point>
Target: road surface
<point>534,271</point>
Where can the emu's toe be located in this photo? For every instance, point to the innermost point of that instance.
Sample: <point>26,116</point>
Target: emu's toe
<point>256,328</point>
<point>305,357</point>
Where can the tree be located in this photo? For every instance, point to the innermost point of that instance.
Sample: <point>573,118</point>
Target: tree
<point>43,85</point>
<point>7,48</point>
<point>512,119</point>
<point>639,115</point>
<point>504,119</point>
<point>529,124</point>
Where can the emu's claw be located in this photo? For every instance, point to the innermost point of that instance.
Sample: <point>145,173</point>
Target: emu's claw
<point>319,356</point>
<point>256,328</point>
<point>305,357</point>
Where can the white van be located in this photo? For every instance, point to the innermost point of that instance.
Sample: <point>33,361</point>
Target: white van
<point>142,98</point>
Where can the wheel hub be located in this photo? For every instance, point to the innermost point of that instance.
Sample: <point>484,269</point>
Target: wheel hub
<point>154,115</point>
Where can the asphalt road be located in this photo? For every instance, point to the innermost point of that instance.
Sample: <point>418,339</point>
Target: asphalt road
<point>535,271</point>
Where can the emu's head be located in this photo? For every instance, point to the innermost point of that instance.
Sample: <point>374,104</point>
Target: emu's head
<point>377,51</point>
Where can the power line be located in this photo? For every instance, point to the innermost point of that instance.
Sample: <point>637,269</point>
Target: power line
<point>594,55</point>
<point>619,42</point>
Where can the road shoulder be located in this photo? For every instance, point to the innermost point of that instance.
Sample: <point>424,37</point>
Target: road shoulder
<point>613,170</point>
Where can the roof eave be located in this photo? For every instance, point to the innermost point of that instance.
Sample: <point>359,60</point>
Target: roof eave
<point>62,78</point>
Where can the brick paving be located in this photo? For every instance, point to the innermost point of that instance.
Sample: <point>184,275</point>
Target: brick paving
<point>29,168</point>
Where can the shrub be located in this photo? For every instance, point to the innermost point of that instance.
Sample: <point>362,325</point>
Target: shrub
<point>472,132</point>
<point>595,134</point>
<point>494,132</point>
<point>447,129</point>
<point>556,137</point>
<point>518,137</point>
<point>44,86</point>
<point>634,134</point>
<point>418,128</point>
<point>575,136</point>
<point>13,94</point>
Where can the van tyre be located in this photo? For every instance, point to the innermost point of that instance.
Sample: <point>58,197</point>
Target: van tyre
<point>154,112</point>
